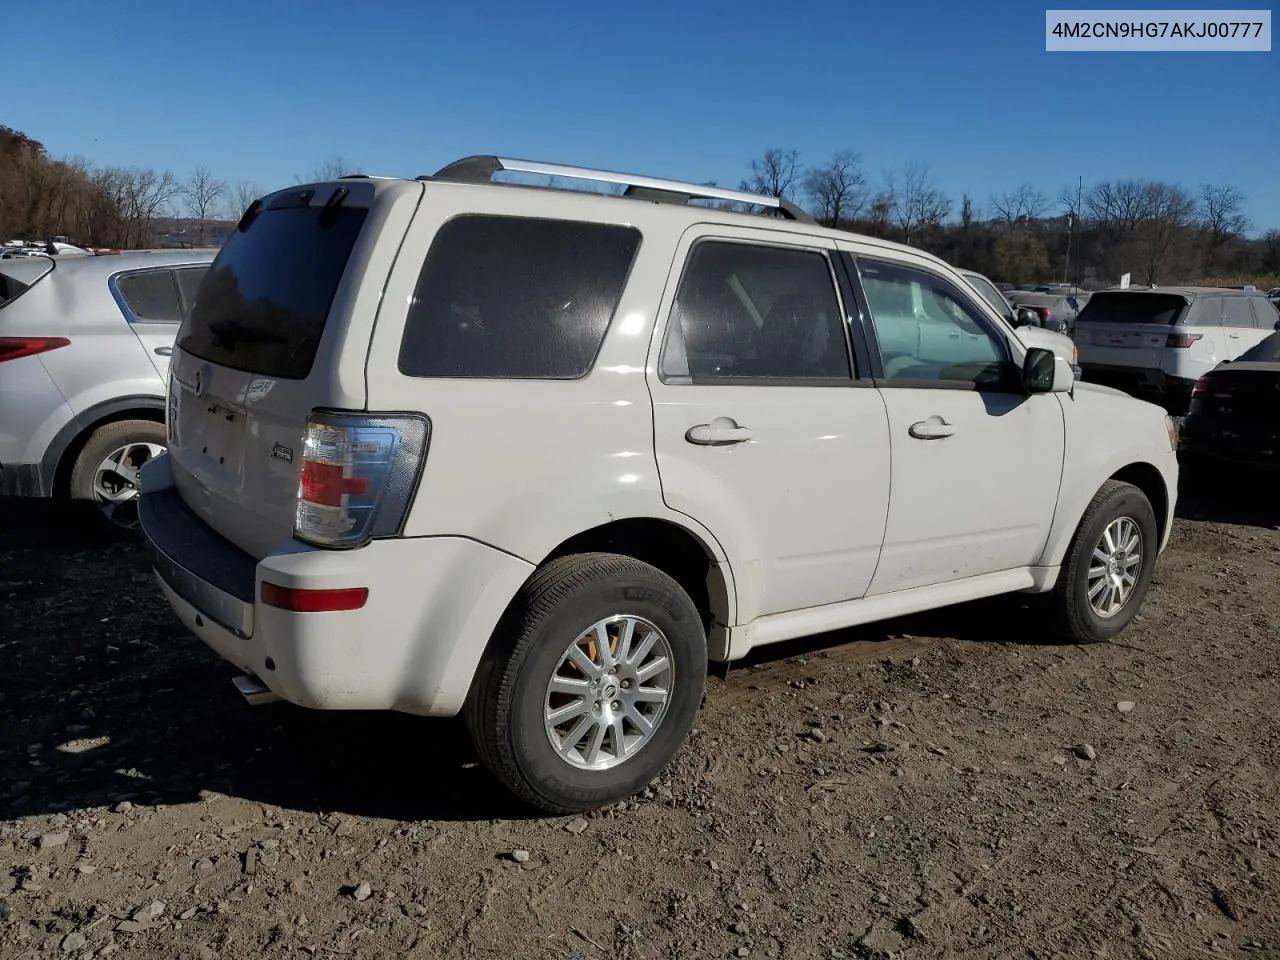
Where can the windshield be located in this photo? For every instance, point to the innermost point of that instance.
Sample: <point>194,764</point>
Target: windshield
<point>989,293</point>
<point>1158,308</point>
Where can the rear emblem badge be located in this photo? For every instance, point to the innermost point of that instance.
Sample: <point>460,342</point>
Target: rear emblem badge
<point>281,452</point>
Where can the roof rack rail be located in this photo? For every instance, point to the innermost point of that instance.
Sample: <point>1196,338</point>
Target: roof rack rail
<point>481,169</point>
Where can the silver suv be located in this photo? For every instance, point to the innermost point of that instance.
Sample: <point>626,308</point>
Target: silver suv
<point>84,354</point>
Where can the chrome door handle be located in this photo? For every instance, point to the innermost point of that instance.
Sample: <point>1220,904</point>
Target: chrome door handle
<point>718,433</point>
<point>165,351</point>
<point>935,428</point>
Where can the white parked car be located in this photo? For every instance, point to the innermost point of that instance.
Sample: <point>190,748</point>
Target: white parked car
<point>1159,341</point>
<point>535,455</point>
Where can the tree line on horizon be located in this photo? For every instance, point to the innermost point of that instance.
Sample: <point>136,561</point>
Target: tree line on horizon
<point>1157,231</point>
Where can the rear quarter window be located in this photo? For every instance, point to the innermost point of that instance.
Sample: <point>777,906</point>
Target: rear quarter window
<point>150,296</point>
<point>515,298</point>
<point>1236,313</point>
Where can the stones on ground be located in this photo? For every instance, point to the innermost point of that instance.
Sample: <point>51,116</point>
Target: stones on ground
<point>1085,752</point>
<point>520,856</point>
<point>53,839</point>
<point>204,865</point>
<point>1125,706</point>
<point>251,861</point>
<point>817,735</point>
<point>415,910</point>
<point>743,951</point>
<point>124,806</point>
<point>576,826</point>
<point>86,868</point>
<point>739,928</point>
<point>362,892</point>
<point>73,942</point>
<point>151,911</point>
<point>188,913</point>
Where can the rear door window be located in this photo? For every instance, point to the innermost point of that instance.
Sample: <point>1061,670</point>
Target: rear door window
<point>515,297</point>
<point>264,302</point>
<point>1236,313</point>
<point>151,296</point>
<point>1265,314</point>
<point>1206,312</point>
<point>1154,308</point>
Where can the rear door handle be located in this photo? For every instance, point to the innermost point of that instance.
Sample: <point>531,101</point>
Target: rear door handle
<point>718,433</point>
<point>935,428</point>
<point>165,351</point>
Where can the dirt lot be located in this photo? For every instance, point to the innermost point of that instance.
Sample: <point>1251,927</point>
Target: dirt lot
<point>918,789</point>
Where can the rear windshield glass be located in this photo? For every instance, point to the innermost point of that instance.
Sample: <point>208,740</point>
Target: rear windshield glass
<point>1162,308</point>
<point>262,306</point>
<point>515,298</point>
<point>18,274</point>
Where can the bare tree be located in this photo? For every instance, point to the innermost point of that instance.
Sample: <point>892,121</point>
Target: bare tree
<point>837,189</point>
<point>881,209</point>
<point>1021,206</point>
<point>204,194</point>
<point>330,168</point>
<point>1118,208</point>
<point>1271,251</point>
<point>240,196</point>
<point>773,174</point>
<point>915,204</point>
<point>1221,211</point>
<point>146,194</point>
<point>1168,211</point>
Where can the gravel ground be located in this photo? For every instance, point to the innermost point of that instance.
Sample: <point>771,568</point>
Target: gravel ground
<point>948,785</point>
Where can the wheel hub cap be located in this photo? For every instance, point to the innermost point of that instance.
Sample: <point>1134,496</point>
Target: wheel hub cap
<point>609,692</point>
<point>1114,567</point>
<point>116,483</point>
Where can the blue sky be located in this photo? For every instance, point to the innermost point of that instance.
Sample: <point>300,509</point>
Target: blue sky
<point>263,91</point>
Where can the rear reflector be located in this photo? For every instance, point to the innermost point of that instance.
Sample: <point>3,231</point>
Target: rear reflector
<point>313,601</point>
<point>1182,340</point>
<point>11,348</point>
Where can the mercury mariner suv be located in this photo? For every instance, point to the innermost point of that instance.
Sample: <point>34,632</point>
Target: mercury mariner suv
<point>536,454</point>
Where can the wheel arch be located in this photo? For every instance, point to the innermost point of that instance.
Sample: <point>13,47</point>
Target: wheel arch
<point>60,458</point>
<point>675,550</point>
<point>1149,480</point>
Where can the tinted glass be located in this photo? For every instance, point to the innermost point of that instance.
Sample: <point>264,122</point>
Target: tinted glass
<point>151,295</point>
<point>1237,313</point>
<point>748,311</point>
<point>1160,308</point>
<point>1268,314</point>
<point>1268,350</point>
<point>188,283</point>
<point>926,330</point>
<point>1205,312</point>
<point>263,304</point>
<point>514,297</point>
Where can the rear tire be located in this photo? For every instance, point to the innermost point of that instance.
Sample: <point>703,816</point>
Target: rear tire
<point>105,471</point>
<point>1094,598</point>
<point>559,717</point>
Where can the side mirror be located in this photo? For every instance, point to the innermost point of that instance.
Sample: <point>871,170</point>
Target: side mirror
<point>1043,372</point>
<point>1027,317</point>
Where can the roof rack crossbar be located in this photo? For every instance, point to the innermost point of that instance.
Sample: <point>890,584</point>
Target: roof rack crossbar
<point>481,169</point>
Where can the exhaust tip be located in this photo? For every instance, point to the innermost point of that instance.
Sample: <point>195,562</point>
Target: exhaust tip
<point>254,691</point>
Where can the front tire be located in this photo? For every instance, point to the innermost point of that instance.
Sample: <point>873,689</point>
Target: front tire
<point>1108,567</point>
<point>591,683</point>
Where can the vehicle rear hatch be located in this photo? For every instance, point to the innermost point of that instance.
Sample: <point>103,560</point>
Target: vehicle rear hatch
<point>1127,329</point>
<point>280,327</point>
<point>19,274</point>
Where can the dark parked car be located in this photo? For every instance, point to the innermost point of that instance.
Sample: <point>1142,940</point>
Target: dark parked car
<point>1235,410</point>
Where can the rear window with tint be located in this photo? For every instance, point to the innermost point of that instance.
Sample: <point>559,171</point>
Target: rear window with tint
<point>263,304</point>
<point>151,295</point>
<point>1237,313</point>
<point>1160,308</point>
<point>515,297</point>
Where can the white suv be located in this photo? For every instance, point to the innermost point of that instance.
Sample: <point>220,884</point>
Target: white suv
<point>535,455</point>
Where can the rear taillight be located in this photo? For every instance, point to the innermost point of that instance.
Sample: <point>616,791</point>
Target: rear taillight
<point>358,476</point>
<point>1182,340</point>
<point>11,348</point>
<point>1209,386</point>
<point>1044,312</point>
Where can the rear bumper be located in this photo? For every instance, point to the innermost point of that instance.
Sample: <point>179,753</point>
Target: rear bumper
<point>1145,382</point>
<point>1253,445</point>
<point>413,647</point>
